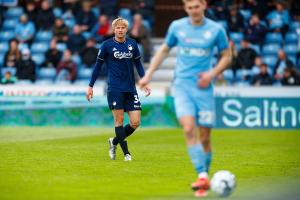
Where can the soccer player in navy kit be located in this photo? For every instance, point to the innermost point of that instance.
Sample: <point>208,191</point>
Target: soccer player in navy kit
<point>120,55</point>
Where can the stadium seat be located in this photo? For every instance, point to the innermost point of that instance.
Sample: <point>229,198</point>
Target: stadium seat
<point>43,36</point>
<point>270,49</point>
<point>44,82</point>
<point>76,59</point>
<point>62,82</point>
<point>270,61</point>
<point>61,46</point>
<point>38,58</point>
<point>256,48</point>
<point>241,74</point>
<point>6,35</point>
<point>85,73</point>
<point>82,82</point>
<point>70,22</point>
<point>236,37</point>
<point>291,38</point>
<point>22,46</point>
<point>39,47</point>
<point>14,12</point>
<point>273,38</point>
<point>147,25</point>
<point>291,49</point>
<point>23,82</point>
<point>57,12</point>
<point>125,13</point>
<point>96,11</point>
<point>4,46</point>
<point>228,75</point>
<point>12,70</point>
<point>2,55</point>
<point>293,59</point>
<point>86,35</point>
<point>9,24</point>
<point>47,74</point>
<point>246,14</point>
<point>294,26</point>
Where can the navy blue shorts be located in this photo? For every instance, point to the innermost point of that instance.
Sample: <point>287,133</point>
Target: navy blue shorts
<point>128,101</point>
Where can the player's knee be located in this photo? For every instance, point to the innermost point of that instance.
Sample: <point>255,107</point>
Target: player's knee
<point>119,121</point>
<point>135,123</point>
<point>188,129</point>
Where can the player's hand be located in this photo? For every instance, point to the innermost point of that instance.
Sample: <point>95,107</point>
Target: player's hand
<point>147,90</point>
<point>89,93</point>
<point>205,79</point>
<point>145,80</point>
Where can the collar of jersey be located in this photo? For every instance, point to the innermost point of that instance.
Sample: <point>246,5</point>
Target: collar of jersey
<point>119,42</point>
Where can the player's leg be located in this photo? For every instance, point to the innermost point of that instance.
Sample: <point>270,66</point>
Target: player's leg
<point>205,140</point>
<point>119,129</point>
<point>186,113</point>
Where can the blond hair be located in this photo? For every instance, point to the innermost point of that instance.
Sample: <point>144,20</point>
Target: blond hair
<point>119,21</point>
<point>185,1</point>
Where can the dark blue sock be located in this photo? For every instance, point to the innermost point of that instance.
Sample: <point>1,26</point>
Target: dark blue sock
<point>120,135</point>
<point>128,131</point>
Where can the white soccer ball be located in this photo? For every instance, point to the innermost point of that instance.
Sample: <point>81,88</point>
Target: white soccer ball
<point>223,183</point>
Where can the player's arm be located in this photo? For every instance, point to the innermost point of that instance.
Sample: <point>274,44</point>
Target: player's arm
<point>206,77</point>
<point>141,72</point>
<point>157,59</point>
<point>95,74</point>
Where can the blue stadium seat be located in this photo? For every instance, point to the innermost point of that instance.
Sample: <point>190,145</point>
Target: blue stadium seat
<point>23,82</point>
<point>125,13</point>
<point>291,38</point>
<point>4,46</point>
<point>96,11</point>
<point>44,82</point>
<point>38,58</point>
<point>43,36</point>
<point>9,24</point>
<point>82,82</point>
<point>85,73</point>
<point>22,46</point>
<point>14,12</point>
<point>228,75</point>
<point>236,37</point>
<point>70,22</point>
<point>293,59</point>
<point>86,35</point>
<point>57,12</point>
<point>274,38</point>
<point>39,47</point>
<point>242,73</point>
<point>294,26</point>
<point>47,74</point>
<point>6,35</point>
<point>2,55</point>
<point>256,48</point>
<point>76,59</point>
<point>12,70</point>
<point>291,49</point>
<point>270,61</point>
<point>61,46</point>
<point>246,14</point>
<point>147,24</point>
<point>270,49</point>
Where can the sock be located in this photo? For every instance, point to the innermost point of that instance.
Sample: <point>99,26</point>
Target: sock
<point>208,156</point>
<point>128,131</point>
<point>197,156</point>
<point>120,135</point>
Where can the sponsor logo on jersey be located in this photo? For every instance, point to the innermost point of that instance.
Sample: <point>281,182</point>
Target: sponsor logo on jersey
<point>121,55</point>
<point>130,48</point>
<point>199,52</point>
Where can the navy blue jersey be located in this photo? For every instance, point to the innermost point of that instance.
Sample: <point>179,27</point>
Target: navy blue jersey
<point>120,59</point>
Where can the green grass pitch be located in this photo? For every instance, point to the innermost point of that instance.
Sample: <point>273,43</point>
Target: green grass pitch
<point>73,163</point>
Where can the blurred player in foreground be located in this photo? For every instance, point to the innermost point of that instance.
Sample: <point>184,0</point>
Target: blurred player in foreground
<point>195,37</point>
<point>120,55</point>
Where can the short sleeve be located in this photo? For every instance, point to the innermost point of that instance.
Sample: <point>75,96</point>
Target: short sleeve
<point>222,40</point>
<point>171,39</point>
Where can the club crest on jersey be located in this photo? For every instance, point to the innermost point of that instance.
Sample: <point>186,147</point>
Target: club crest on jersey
<point>130,47</point>
<point>121,55</point>
<point>114,49</point>
<point>207,35</point>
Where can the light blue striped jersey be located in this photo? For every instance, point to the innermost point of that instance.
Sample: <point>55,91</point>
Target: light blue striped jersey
<point>195,46</point>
